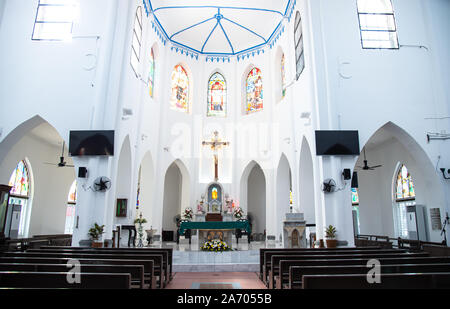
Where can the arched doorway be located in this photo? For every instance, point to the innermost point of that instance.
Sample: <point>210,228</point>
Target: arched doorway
<point>306,183</point>
<point>253,198</point>
<point>283,192</point>
<point>145,190</point>
<point>123,185</point>
<point>176,198</point>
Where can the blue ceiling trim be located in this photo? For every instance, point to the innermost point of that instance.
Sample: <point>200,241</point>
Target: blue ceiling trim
<point>240,55</point>
<point>215,7</point>
<point>237,24</point>
<point>198,24</point>
<point>228,39</point>
<point>207,39</point>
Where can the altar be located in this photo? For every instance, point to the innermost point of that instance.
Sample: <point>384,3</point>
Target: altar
<point>222,230</point>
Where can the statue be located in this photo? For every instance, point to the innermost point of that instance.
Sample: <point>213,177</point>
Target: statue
<point>200,209</point>
<point>229,205</point>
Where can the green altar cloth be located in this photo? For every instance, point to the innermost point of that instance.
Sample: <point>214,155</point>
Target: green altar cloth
<point>229,225</point>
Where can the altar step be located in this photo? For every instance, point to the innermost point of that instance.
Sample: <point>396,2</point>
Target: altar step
<point>231,261</point>
<point>189,268</point>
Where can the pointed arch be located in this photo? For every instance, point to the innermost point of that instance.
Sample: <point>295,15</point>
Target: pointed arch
<point>123,176</point>
<point>180,89</point>
<point>392,146</point>
<point>283,191</point>
<point>217,95</point>
<point>253,196</point>
<point>176,194</point>
<point>145,189</point>
<point>306,182</point>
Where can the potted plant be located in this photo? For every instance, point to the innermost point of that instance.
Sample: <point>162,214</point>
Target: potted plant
<point>330,234</point>
<point>95,233</point>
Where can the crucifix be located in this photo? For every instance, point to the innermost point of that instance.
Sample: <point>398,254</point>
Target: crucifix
<point>216,144</point>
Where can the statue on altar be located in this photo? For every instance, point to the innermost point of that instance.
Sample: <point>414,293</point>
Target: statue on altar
<point>229,204</point>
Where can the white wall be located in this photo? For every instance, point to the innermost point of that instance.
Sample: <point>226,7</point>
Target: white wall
<point>172,197</point>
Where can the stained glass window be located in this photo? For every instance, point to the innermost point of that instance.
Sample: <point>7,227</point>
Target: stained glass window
<point>19,181</point>
<point>377,24</point>
<point>179,99</point>
<point>355,196</point>
<point>283,76</point>
<point>136,41</point>
<point>405,186</point>
<point>217,95</point>
<point>70,210</point>
<point>254,91</point>
<point>299,53</point>
<point>151,74</point>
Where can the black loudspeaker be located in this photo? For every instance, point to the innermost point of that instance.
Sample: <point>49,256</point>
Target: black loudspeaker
<point>82,172</point>
<point>355,180</point>
<point>347,174</point>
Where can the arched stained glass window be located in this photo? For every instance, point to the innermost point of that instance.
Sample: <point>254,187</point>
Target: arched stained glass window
<point>283,76</point>
<point>136,42</point>
<point>355,197</point>
<point>299,54</point>
<point>254,88</point>
<point>19,181</point>
<point>217,96</point>
<point>151,74</point>
<point>19,199</point>
<point>179,99</point>
<point>405,186</point>
<point>70,211</point>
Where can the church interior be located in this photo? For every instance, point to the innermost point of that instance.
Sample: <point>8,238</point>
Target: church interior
<point>258,144</point>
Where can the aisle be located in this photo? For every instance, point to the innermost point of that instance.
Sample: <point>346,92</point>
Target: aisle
<point>228,280</point>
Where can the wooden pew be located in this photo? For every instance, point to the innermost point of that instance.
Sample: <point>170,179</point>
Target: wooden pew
<point>262,251</point>
<point>388,281</point>
<point>286,265</point>
<point>274,267</point>
<point>167,252</point>
<point>149,276</point>
<point>46,280</point>
<point>267,267</point>
<point>296,273</point>
<point>156,258</point>
<point>136,271</point>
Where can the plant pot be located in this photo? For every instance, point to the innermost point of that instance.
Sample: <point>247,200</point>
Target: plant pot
<point>97,244</point>
<point>331,243</point>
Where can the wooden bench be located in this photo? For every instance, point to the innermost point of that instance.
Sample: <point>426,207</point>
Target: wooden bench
<point>286,265</point>
<point>136,271</point>
<point>156,258</point>
<point>296,273</point>
<point>262,251</point>
<point>388,281</point>
<point>273,268</point>
<point>133,250</point>
<point>46,280</point>
<point>268,256</point>
<point>166,253</point>
<point>149,276</point>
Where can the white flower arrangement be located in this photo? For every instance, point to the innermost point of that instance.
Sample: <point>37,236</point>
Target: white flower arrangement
<point>215,245</point>
<point>238,213</point>
<point>188,214</point>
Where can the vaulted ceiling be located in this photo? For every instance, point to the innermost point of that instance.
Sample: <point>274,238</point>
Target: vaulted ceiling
<point>220,28</point>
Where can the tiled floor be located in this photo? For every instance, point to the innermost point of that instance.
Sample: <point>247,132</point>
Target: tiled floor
<point>195,280</point>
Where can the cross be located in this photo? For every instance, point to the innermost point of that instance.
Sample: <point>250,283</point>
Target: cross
<point>216,144</point>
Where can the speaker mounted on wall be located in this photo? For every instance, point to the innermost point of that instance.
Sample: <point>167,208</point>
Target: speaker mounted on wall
<point>347,173</point>
<point>82,172</point>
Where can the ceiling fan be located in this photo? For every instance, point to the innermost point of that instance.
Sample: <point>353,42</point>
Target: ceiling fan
<point>366,166</point>
<point>62,162</point>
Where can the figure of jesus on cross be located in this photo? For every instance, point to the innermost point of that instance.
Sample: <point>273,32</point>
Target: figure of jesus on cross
<point>216,144</point>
